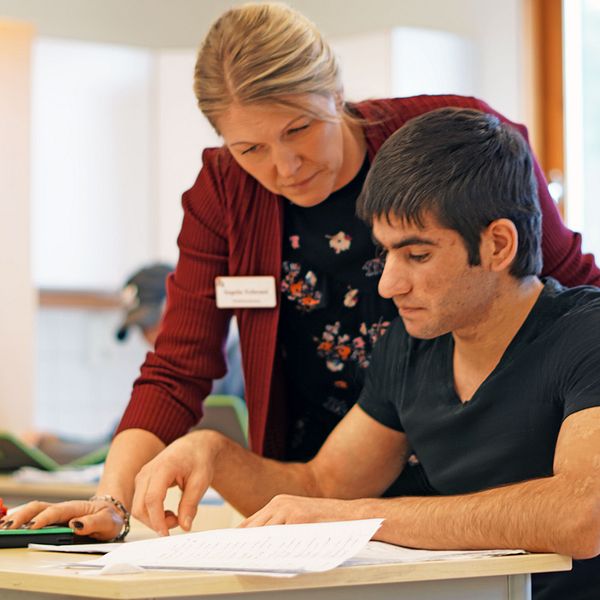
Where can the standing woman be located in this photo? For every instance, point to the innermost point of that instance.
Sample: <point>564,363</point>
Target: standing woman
<point>276,200</point>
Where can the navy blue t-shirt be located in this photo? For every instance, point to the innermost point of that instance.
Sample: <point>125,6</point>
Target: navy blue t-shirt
<point>507,431</point>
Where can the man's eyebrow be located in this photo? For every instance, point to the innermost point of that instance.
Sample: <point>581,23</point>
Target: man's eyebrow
<point>286,126</point>
<point>409,241</point>
<point>412,241</point>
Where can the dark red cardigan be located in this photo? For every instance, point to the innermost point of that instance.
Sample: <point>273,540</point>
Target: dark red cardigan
<point>232,225</point>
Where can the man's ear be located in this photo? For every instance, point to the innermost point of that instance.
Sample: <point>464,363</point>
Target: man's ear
<point>499,245</point>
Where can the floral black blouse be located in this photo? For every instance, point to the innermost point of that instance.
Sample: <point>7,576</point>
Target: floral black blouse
<point>331,314</point>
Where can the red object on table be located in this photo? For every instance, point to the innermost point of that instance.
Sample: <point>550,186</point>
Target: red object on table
<point>3,508</point>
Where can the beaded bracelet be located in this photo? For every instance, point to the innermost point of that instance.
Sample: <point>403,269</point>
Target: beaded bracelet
<point>121,508</point>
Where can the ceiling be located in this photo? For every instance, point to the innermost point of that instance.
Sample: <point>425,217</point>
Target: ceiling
<point>183,23</point>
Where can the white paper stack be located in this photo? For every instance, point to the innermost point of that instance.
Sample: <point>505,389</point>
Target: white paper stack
<point>379,553</point>
<point>275,549</point>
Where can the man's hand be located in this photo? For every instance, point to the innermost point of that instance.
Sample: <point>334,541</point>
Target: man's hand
<point>286,509</point>
<point>188,463</point>
<point>97,519</point>
<point>251,483</point>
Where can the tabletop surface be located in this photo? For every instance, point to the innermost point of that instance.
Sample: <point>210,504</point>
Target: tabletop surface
<point>28,570</point>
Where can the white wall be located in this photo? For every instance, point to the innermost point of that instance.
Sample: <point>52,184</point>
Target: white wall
<point>182,134</point>
<point>405,62</point>
<point>494,28</point>
<point>498,31</point>
<point>93,189</point>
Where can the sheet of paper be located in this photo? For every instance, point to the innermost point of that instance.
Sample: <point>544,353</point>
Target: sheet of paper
<point>276,548</point>
<point>378,553</point>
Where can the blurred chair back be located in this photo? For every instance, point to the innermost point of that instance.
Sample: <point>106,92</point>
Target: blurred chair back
<point>227,415</point>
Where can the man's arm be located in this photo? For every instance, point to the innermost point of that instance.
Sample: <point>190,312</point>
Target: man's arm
<point>360,458</point>
<point>554,514</point>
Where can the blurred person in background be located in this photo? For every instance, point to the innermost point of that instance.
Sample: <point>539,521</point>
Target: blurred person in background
<point>143,299</point>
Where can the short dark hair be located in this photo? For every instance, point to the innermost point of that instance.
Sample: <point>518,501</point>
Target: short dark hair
<point>467,169</point>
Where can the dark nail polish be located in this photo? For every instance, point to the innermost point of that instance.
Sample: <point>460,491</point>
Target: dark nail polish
<point>28,525</point>
<point>78,524</point>
<point>7,524</point>
<point>1,521</point>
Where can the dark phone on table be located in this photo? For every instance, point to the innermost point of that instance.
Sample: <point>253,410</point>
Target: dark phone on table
<point>20,538</point>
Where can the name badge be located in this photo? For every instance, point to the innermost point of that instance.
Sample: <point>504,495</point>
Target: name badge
<point>245,292</point>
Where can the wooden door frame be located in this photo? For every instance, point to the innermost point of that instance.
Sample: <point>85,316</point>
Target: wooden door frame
<point>543,74</point>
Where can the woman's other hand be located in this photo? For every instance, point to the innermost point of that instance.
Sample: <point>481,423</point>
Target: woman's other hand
<point>95,518</point>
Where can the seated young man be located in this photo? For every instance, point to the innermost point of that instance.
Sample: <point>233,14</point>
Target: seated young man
<point>490,376</point>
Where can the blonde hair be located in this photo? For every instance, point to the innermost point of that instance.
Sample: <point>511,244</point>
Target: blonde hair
<point>263,53</point>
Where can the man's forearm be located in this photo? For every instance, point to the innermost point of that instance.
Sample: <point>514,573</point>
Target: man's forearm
<point>129,452</point>
<point>543,515</point>
<point>248,481</point>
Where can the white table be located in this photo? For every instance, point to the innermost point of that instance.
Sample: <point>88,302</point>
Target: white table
<point>30,575</point>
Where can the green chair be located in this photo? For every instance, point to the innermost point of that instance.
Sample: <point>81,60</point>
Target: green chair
<point>228,415</point>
